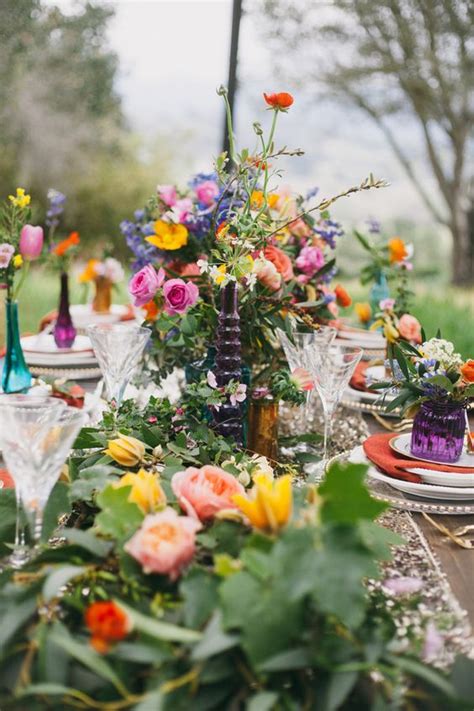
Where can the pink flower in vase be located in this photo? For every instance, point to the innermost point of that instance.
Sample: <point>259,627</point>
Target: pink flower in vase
<point>6,253</point>
<point>179,296</point>
<point>144,284</point>
<point>31,241</point>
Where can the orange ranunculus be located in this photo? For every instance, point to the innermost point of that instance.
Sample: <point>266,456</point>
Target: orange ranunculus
<point>280,102</point>
<point>363,311</point>
<point>107,623</point>
<point>62,247</point>
<point>342,297</point>
<point>281,261</point>
<point>151,310</point>
<point>397,250</point>
<point>467,371</point>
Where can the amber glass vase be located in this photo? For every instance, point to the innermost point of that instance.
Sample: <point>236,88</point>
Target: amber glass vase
<point>103,295</point>
<point>263,427</point>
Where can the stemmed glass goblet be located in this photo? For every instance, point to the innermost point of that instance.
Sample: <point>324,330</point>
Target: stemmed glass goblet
<point>35,444</point>
<point>118,348</point>
<point>332,368</point>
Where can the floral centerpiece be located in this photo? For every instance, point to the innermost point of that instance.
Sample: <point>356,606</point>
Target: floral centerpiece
<point>191,575</point>
<point>20,243</point>
<point>60,254</point>
<point>433,381</point>
<point>104,274</point>
<point>261,247</point>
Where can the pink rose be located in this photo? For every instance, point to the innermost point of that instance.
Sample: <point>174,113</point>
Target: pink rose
<point>6,253</point>
<point>165,543</point>
<point>167,193</point>
<point>182,208</point>
<point>31,241</point>
<point>144,284</point>
<point>280,260</point>
<point>203,492</point>
<point>268,275</point>
<point>179,296</point>
<point>409,328</point>
<point>207,191</point>
<point>310,260</point>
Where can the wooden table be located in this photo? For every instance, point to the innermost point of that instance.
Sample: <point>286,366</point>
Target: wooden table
<point>456,563</point>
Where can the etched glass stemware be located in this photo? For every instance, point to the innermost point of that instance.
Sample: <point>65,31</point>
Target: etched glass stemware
<point>332,368</point>
<point>118,349</point>
<point>297,351</point>
<point>36,439</point>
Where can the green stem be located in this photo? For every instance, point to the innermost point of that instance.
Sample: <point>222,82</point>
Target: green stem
<point>24,274</point>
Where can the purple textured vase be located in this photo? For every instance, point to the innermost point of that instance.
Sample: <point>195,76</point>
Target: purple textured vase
<point>228,420</point>
<point>64,331</point>
<point>438,431</point>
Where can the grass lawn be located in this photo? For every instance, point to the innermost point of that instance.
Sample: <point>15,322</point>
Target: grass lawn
<point>443,307</point>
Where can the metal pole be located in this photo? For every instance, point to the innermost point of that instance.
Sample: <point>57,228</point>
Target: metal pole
<point>232,79</point>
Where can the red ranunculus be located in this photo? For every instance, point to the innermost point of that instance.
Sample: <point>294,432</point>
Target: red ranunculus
<point>342,297</point>
<point>107,623</point>
<point>280,102</point>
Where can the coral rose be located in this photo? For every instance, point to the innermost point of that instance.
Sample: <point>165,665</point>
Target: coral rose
<point>281,261</point>
<point>409,328</point>
<point>342,297</point>
<point>107,623</point>
<point>267,274</point>
<point>281,101</point>
<point>467,371</point>
<point>203,492</point>
<point>165,543</point>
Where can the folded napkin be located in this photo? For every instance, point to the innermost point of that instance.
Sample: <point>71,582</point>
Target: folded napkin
<point>378,450</point>
<point>358,379</point>
<point>6,478</point>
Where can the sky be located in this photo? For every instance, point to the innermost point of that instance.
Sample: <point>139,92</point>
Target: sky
<point>173,54</point>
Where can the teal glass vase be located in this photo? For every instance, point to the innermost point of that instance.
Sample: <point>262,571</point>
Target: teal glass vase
<point>379,291</point>
<point>16,378</point>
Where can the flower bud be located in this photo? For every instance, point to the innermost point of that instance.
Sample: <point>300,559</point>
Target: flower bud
<point>125,450</point>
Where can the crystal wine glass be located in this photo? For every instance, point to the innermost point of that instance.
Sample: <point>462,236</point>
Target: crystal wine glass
<point>42,404</point>
<point>332,368</point>
<point>36,442</point>
<point>118,348</point>
<point>297,350</point>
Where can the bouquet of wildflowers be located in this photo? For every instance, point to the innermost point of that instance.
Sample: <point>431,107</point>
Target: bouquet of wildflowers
<point>20,242</point>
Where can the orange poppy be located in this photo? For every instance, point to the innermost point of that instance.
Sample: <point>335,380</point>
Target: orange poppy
<point>62,247</point>
<point>467,371</point>
<point>281,101</point>
<point>342,297</point>
<point>397,250</point>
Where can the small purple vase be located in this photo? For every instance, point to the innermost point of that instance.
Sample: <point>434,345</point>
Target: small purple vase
<point>64,331</point>
<point>228,420</point>
<point>438,431</point>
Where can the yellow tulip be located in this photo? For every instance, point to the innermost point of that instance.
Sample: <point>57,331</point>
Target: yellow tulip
<point>146,491</point>
<point>270,504</point>
<point>125,450</point>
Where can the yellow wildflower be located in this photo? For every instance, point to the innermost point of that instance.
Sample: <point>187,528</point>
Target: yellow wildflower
<point>146,491</point>
<point>168,235</point>
<point>363,311</point>
<point>125,450</point>
<point>17,261</point>
<point>257,198</point>
<point>270,504</point>
<point>90,271</point>
<point>219,273</point>
<point>20,199</point>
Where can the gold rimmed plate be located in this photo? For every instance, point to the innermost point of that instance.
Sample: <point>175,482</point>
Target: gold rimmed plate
<point>401,444</point>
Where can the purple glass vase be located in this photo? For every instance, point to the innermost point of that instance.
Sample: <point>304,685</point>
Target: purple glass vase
<point>438,431</point>
<point>64,331</point>
<point>228,420</point>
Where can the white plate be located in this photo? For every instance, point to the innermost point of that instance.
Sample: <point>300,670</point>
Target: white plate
<point>401,444</point>
<point>83,315</point>
<point>376,374</point>
<point>43,343</point>
<point>366,396</point>
<point>360,337</point>
<point>426,491</point>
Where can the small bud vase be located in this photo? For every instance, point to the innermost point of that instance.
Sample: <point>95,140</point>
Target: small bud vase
<point>263,427</point>
<point>103,295</point>
<point>379,291</point>
<point>64,331</point>
<point>228,419</point>
<point>16,378</point>
<point>438,431</point>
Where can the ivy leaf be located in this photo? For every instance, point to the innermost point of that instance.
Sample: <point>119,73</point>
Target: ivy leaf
<point>346,499</point>
<point>119,517</point>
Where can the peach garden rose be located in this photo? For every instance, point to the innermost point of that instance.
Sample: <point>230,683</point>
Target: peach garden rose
<point>165,543</point>
<point>204,492</point>
<point>409,328</point>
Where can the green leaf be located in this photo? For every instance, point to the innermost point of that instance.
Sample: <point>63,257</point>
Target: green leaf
<point>90,438</point>
<point>214,640</point>
<point>87,540</point>
<point>414,668</point>
<point>7,518</point>
<point>379,539</point>
<point>161,630</point>
<point>400,358</point>
<point>13,614</point>
<point>199,592</point>
<point>58,505</point>
<point>262,701</point>
<point>87,656</point>
<point>59,577</point>
<point>119,517</point>
<point>338,689</point>
<point>346,499</point>
<point>297,658</point>
<point>92,479</point>
<point>443,382</point>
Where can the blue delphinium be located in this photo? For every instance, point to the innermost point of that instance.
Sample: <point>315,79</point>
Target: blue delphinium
<point>328,230</point>
<point>55,207</point>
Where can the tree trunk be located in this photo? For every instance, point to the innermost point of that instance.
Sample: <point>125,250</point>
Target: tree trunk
<point>462,229</point>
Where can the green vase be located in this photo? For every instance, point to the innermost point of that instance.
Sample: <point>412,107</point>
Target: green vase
<point>16,378</point>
